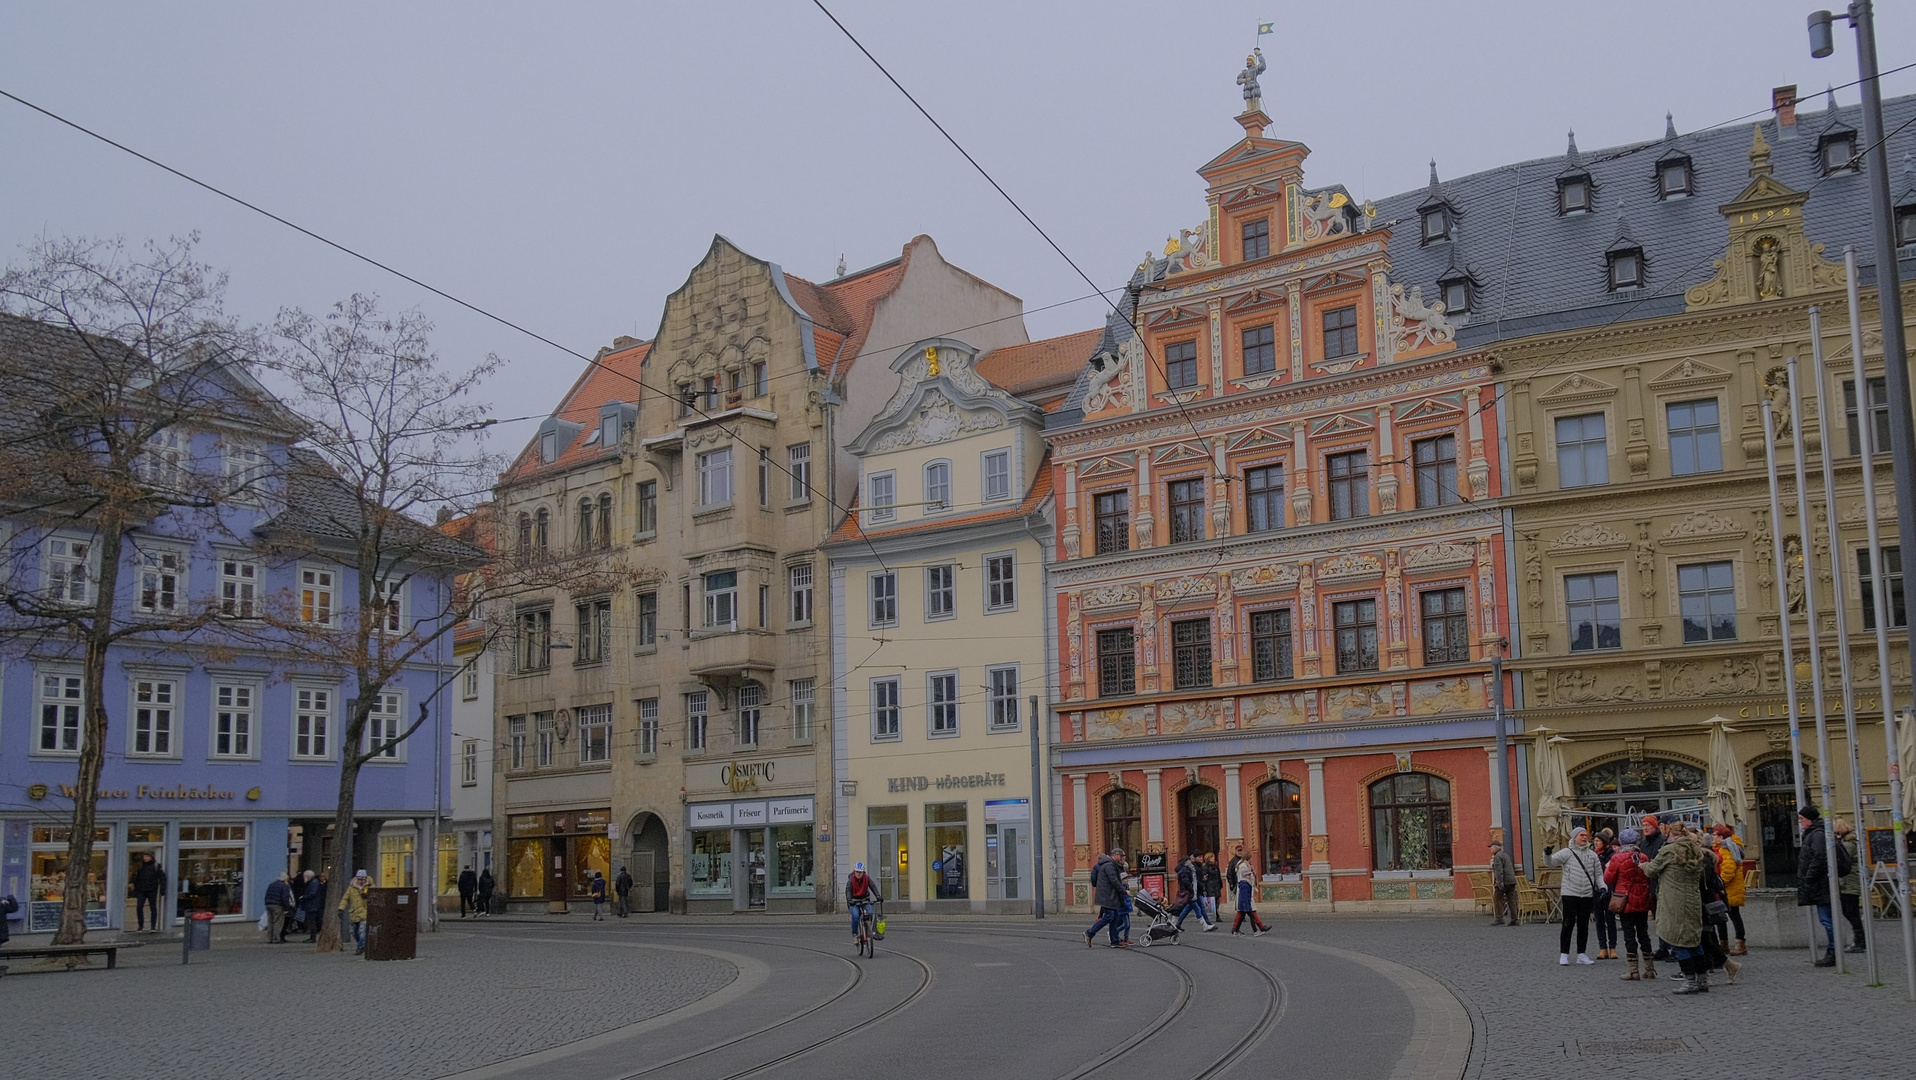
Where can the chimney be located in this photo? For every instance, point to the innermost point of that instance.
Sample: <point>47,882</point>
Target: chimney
<point>1783,101</point>
<point>444,515</point>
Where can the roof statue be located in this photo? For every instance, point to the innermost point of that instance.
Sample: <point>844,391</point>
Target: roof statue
<point>1253,94</point>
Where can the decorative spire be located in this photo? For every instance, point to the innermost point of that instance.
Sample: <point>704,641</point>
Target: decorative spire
<point>1434,189</point>
<point>1575,159</point>
<point>1669,125</point>
<point>1830,101</point>
<point>1459,265</point>
<point>1759,153</point>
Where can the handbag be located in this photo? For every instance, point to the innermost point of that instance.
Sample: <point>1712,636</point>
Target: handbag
<point>1619,901</point>
<point>1716,911</point>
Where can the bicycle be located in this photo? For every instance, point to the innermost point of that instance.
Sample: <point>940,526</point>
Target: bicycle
<point>868,928</point>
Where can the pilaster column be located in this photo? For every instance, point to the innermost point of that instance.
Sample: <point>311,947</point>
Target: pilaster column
<point>1318,870</point>
<point>1080,822</point>
<point>1233,808</point>
<point>1389,470</point>
<point>1141,521</point>
<point>1072,534</point>
<point>1153,810</point>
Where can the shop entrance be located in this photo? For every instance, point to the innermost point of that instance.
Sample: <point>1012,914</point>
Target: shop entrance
<point>885,852</point>
<point>1776,822</point>
<point>142,842</point>
<point>1199,806</point>
<point>752,842</point>
<point>1007,860</point>
<point>650,862</point>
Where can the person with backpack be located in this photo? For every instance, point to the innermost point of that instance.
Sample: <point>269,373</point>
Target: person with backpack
<point>1234,869</point>
<point>1582,880</point>
<point>1109,893</point>
<point>1247,906</point>
<point>1630,899</point>
<point>1849,887</point>
<point>1812,875</point>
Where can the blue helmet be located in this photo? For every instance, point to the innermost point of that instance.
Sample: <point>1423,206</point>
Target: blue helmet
<point>860,867</point>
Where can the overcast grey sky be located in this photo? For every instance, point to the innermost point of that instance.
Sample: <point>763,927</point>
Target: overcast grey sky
<point>565,164</point>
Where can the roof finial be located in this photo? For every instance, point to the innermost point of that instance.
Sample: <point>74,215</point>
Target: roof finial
<point>1624,239</point>
<point>1572,154</point>
<point>1830,99</point>
<point>1759,153</point>
<point>841,264</point>
<point>1669,125</point>
<point>1435,189</point>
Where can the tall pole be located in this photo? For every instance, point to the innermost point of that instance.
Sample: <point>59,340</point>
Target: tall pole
<point>1037,833</point>
<point>1783,608</point>
<point>1503,743</point>
<point>1879,600</point>
<point>1838,596</point>
<point>1807,528</point>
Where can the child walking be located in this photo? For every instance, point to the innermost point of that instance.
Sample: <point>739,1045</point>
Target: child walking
<point>1247,874</point>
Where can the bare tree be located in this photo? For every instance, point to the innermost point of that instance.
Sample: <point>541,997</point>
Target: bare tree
<point>120,372</point>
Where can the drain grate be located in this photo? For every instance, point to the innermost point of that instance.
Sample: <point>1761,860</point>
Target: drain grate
<point>1593,1048</point>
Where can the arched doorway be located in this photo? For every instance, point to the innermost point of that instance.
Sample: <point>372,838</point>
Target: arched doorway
<point>1776,822</point>
<point>1280,821</point>
<point>1197,805</point>
<point>1626,790</point>
<point>1123,823</point>
<point>650,864</point>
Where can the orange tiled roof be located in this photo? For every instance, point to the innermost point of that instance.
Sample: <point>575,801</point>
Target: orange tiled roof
<point>858,295</point>
<point>614,378</point>
<point>1042,368</point>
<point>850,529</point>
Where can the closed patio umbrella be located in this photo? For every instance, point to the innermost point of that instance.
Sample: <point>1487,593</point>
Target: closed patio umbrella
<point>1553,786</point>
<point>1727,791</point>
<point>1906,762</point>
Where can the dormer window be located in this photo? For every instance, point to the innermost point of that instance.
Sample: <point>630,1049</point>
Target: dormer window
<point>1837,151</point>
<point>1673,178</point>
<point>548,446</point>
<point>1626,268</point>
<point>1456,293</point>
<point>1573,195</point>
<point>1436,223</point>
<point>1906,225</point>
<point>609,430</point>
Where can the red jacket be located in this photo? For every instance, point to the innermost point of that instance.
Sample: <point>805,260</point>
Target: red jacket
<point>1624,875</point>
<point>860,887</point>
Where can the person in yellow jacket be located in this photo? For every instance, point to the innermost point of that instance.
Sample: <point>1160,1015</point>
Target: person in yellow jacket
<point>352,910</point>
<point>1729,865</point>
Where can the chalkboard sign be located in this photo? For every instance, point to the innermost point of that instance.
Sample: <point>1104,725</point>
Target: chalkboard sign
<point>44,915</point>
<point>1882,846</point>
<point>1149,862</point>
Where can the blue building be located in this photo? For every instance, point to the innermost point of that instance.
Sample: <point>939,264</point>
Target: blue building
<point>222,758</point>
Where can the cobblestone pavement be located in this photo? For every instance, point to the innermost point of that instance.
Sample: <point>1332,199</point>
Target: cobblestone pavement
<point>699,999</point>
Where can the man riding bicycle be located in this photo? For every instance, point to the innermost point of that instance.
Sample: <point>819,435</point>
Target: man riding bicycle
<point>861,892</point>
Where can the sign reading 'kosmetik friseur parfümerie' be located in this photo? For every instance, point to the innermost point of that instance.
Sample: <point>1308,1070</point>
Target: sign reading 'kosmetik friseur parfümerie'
<point>923,783</point>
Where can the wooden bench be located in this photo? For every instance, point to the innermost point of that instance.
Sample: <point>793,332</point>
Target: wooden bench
<point>80,951</point>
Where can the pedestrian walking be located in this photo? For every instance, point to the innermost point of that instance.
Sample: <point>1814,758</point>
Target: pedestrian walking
<point>1849,887</point>
<point>1630,899</point>
<point>1716,909</point>
<point>1213,884</point>
<point>1189,881</point>
<point>1735,885</point>
<point>1812,875</point>
<point>279,904</point>
<point>148,880</point>
<point>485,891</point>
<point>352,911</point>
<point>1247,907</point>
<point>1234,869</point>
<point>623,886</point>
<point>8,905</point>
<point>311,903</point>
<point>1503,884</point>
<point>1582,878</point>
<point>468,889</point>
<point>1603,845</point>
<point>597,891</point>
<point>1678,871</point>
<point>1109,893</point>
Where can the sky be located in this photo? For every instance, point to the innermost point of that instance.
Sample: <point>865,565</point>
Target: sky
<point>565,165</point>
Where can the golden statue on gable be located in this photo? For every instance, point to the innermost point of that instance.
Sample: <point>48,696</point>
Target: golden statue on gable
<point>1770,257</point>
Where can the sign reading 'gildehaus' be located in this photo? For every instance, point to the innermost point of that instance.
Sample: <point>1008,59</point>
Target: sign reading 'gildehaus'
<point>922,783</point>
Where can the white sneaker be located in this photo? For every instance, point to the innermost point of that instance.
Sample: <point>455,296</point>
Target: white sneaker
<point>1563,959</point>
<point>1209,926</point>
<point>1583,958</point>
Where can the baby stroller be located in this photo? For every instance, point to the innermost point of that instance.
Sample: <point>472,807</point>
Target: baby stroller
<point>1161,928</point>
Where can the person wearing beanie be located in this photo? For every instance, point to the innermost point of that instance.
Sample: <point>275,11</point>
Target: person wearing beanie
<point>1813,876</point>
<point>1678,871</point>
<point>1624,875</point>
<point>1582,880</point>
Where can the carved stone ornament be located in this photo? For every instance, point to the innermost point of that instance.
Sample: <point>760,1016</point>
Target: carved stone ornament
<point>1579,686</point>
<point>1268,576</point>
<point>1701,526</point>
<point>1590,536</point>
<point>1109,387</point>
<point>1441,555</point>
<point>1109,596</point>
<point>1414,323</point>
<point>1189,585</point>
<point>1349,566</point>
<point>937,420</point>
<point>1324,214</point>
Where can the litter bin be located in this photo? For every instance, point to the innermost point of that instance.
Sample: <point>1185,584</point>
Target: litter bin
<point>392,924</point>
<point>198,935</point>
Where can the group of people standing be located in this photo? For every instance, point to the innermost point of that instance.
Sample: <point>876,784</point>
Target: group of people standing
<point>293,903</point>
<point>1201,884</point>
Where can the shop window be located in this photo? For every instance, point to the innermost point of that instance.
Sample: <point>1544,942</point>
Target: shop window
<point>1340,332</point>
<point>1117,662</point>
<point>1696,445</point>
<point>1198,809</point>
<point>710,871</point>
<point>1191,653</point>
<point>313,723</point>
<point>1280,819</point>
<point>1180,365</point>
<point>1264,498</point>
<point>941,591</point>
<point>1111,512</point>
<point>1271,645</point>
<point>1123,822</point>
<point>1446,626</point>
<point>1706,595</point>
<point>946,841</point>
<point>1260,349</point>
<point>1627,789</point>
<point>153,703</point>
<point>1187,509</point>
<point>398,866</point>
<point>1583,451</point>
<point>211,873</point>
<point>386,726</point>
<point>793,869</point>
<point>1256,238</point>
<point>1892,578</point>
<point>1348,475</point>
<point>1594,611</point>
<point>803,694</point>
<point>1435,463</point>
<point>1878,415</point>
<point>595,734</point>
<point>526,862</point>
<point>48,880</point>
<point>1410,823</point>
<point>1355,622</point>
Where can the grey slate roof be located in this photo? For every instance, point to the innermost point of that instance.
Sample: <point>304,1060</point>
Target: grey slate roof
<point>1538,271</point>
<point>322,509</point>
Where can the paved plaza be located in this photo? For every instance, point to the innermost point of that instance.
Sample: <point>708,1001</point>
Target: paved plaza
<point>702,999</point>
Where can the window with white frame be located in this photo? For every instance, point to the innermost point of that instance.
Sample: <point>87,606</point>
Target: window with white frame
<point>469,763</point>
<point>799,462</point>
<point>316,588</point>
<point>941,702</point>
<point>61,707</point>
<point>941,591</point>
<point>648,620</point>
<point>697,715</point>
<point>721,600</point>
<point>715,477</point>
<point>997,475</point>
<point>244,465</point>
<point>1001,586</point>
<point>389,601</point>
<point>881,492</point>
<point>516,740</point>
<point>153,702</point>
<point>469,681</point>
<point>546,739</point>
<point>384,724</point>
<point>239,588</point>
<point>312,722</point>
<point>884,599</point>
<point>937,487</point>
<point>884,709</point>
<point>800,579</point>
<point>595,734</point>
<point>751,705</point>
<point>1001,687</point>
<point>163,462</point>
<point>69,570</point>
<point>233,719</point>
<point>803,693</point>
<point>162,581</point>
<point>648,727</point>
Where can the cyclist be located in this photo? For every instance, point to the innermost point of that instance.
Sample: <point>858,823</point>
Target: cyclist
<point>860,893</point>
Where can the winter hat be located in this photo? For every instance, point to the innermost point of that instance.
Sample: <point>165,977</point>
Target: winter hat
<point>1722,830</point>
<point>1809,812</point>
<point>1649,820</point>
<point>361,874</point>
<point>1629,836</point>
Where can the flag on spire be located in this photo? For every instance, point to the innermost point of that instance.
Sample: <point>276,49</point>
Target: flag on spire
<point>1265,28</point>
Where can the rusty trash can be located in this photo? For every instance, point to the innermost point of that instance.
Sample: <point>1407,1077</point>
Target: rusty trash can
<point>392,924</point>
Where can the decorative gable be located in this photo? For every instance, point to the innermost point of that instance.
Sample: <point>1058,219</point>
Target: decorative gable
<point>1115,465</point>
<point>939,398</point>
<point>1340,425</point>
<point>1435,409</point>
<point>1770,257</point>
<point>1260,437</point>
<point>1576,389</point>
<point>1688,373</point>
<point>1177,453</point>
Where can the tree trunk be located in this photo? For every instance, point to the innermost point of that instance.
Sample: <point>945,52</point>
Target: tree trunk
<point>86,794</point>
<point>342,863</point>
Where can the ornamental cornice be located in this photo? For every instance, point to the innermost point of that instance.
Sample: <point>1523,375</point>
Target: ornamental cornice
<point>1288,268</point>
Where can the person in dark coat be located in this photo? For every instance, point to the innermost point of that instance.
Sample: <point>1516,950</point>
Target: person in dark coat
<point>8,905</point>
<point>468,888</point>
<point>279,903</point>
<point>485,891</point>
<point>1190,877</point>
<point>311,902</point>
<point>1813,876</point>
<point>1108,892</point>
<point>1849,887</point>
<point>1211,884</point>
<point>1503,884</point>
<point>148,880</point>
<point>623,886</point>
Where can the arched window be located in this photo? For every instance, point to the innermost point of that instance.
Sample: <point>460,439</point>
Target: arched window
<point>1410,823</point>
<point>585,524</point>
<point>605,520</point>
<point>1629,789</point>
<point>542,533</point>
<point>1122,827</point>
<point>937,486</point>
<point>1280,821</point>
<point>1197,804</point>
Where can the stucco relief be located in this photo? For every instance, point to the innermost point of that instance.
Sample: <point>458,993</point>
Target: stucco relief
<point>1463,693</point>
<point>937,420</point>
<point>1415,323</point>
<point>1580,686</point>
<point>1280,547</point>
<point>1700,526</point>
<point>1590,536</point>
<point>1366,702</point>
<point>1275,710</point>
<point>1118,594</point>
<point>1267,576</point>
<point>1731,675</point>
<point>1440,555</point>
<point>1133,722</point>
<point>1349,566</point>
<point>1185,717</point>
